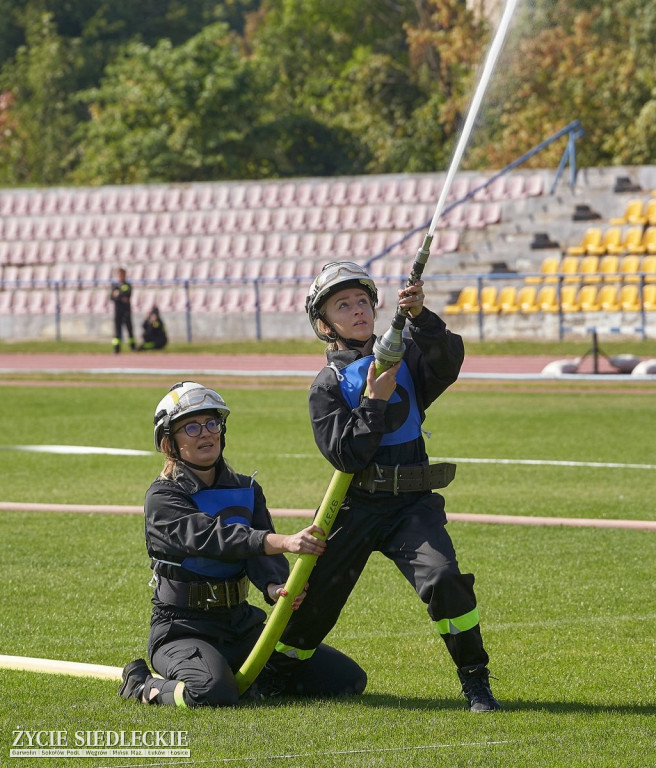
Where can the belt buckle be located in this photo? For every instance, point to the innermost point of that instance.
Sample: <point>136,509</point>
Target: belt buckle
<point>214,598</point>
<point>395,480</point>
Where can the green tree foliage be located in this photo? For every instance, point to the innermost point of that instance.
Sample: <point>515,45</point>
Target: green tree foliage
<point>167,113</point>
<point>37,116</point>
<point>575,60</point>
<point>117,91</point>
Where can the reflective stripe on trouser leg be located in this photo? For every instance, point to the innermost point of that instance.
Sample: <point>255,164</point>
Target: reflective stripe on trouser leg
<point>294,653</point>
<point>459,624</point>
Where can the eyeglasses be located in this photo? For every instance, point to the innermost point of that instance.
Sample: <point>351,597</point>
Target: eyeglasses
<point>195,428</point>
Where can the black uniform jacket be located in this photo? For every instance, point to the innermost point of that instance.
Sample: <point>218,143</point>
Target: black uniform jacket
<point>176,528</point>
<point>350,439</point>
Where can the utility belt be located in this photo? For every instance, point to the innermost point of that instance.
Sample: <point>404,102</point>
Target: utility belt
<point>203,595</point>
<point>400,479</point>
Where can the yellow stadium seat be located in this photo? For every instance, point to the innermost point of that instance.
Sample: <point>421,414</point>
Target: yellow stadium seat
<point>569,267</point>
<point>629,268</point>
<point>650,212</point>
<point>587,299</point>
<point>648,267</point>
<point>467,301</point>
<point>589,269</point>
<point>649,240</point>
<point>609,267</point>
<point>629,298</point>
<point>489,302</point>
<point>649,298</point>
<point>633,240</point>
<point>633,214</point>
<point>569,298</point>
<point>547,299</point>
<point>548,267</point>
<point>526,300</point>
<point>592,237</point>
<point>607,298</point>
<point>508,299</point>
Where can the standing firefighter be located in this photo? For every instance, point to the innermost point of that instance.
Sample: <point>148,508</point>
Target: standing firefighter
<point>121,295</point>
<point>210,536</point>
<point>377,437</point>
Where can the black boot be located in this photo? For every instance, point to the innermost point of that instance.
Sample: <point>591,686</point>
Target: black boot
<point>476,687</point>
<point>134,676</point>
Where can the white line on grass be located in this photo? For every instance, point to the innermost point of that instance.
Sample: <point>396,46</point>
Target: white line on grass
<point>527,462</point>
<point>331,753</point>
<point>76,449</point>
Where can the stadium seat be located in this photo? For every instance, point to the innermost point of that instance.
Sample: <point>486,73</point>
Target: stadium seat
<point>649,240</point>
<point>569,269</point>
<point>607,298</point>
<point>508,300</point>
<point>534,185</point>
<point>589,269</point>
<point>517,187</point>
<point>650,212</point>
<point>467,301</point>
<point>633,214</point>
<point>648,298</point>
<point>527,300</point>
<point>356,193</point>
<point>548,268</point>
<point>629,298</point>
<point>648,268</point>
<point>547,299</point>
<point>634,241</point>
<point>569,298</point>
<point>474,216</point>
<point>592,237</point>
<point>587,298</point>
<point>629,268</point>
<point>489,300</point>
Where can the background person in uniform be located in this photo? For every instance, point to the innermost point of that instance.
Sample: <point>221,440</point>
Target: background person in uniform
<point>121,295</point>
<point>154,331</point>
<point>390,506</point>
<point>210,535</point>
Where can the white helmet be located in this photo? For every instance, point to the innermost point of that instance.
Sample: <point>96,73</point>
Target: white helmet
<point>183,399</point>
<point>334,277</point>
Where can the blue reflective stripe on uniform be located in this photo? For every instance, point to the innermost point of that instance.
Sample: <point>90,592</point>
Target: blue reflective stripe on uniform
<point>459,624</point>
<point>353,382</point>
<point>214,501</point>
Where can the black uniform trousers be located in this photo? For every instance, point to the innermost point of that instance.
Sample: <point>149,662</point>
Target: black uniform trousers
<point>409,530</point>
<point>205,649</point>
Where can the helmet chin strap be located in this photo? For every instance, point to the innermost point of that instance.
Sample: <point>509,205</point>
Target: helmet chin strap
<point>200,467</point>
<point>350,343</point>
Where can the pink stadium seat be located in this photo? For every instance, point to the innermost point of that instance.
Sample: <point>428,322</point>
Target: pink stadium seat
<point>331,219</point>
<point>459,188</point>
<point>324,243</point>
<point>454,218</point>
<point>356,193</point>
<point>287,268</point>
<point>492,212</point>
<point>474,218</point>
<point>534,185</point>
<point>216,299</point>
<point>268,298</point>
<point>224,221</point>
<point>237,197</point>
<point>315,218</point>
<point>287,195</point>
<point>6,301</point>
<point>368,217</point>
<point>189,199</point>
<point>482,192</point>
<point>272,246</point>
<point>342,245</point>
<point>390,192</point>
<point>279,220</point>
<point>408,191</point>
<point>305,194</point>
<point>517,187</point>
<point>374,192</point>
<point>213,196</point>
<point>153,199</point>
<point>270,268</point>
<point>321,195</point>
<point>427,191</point>
<point>295,219</point>
<point>348,217</point>
<point>271,195</point>
<point>498,189</point>
<point>338,193</point>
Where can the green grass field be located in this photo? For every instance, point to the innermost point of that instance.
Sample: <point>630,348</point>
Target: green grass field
<point>568,614</point>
